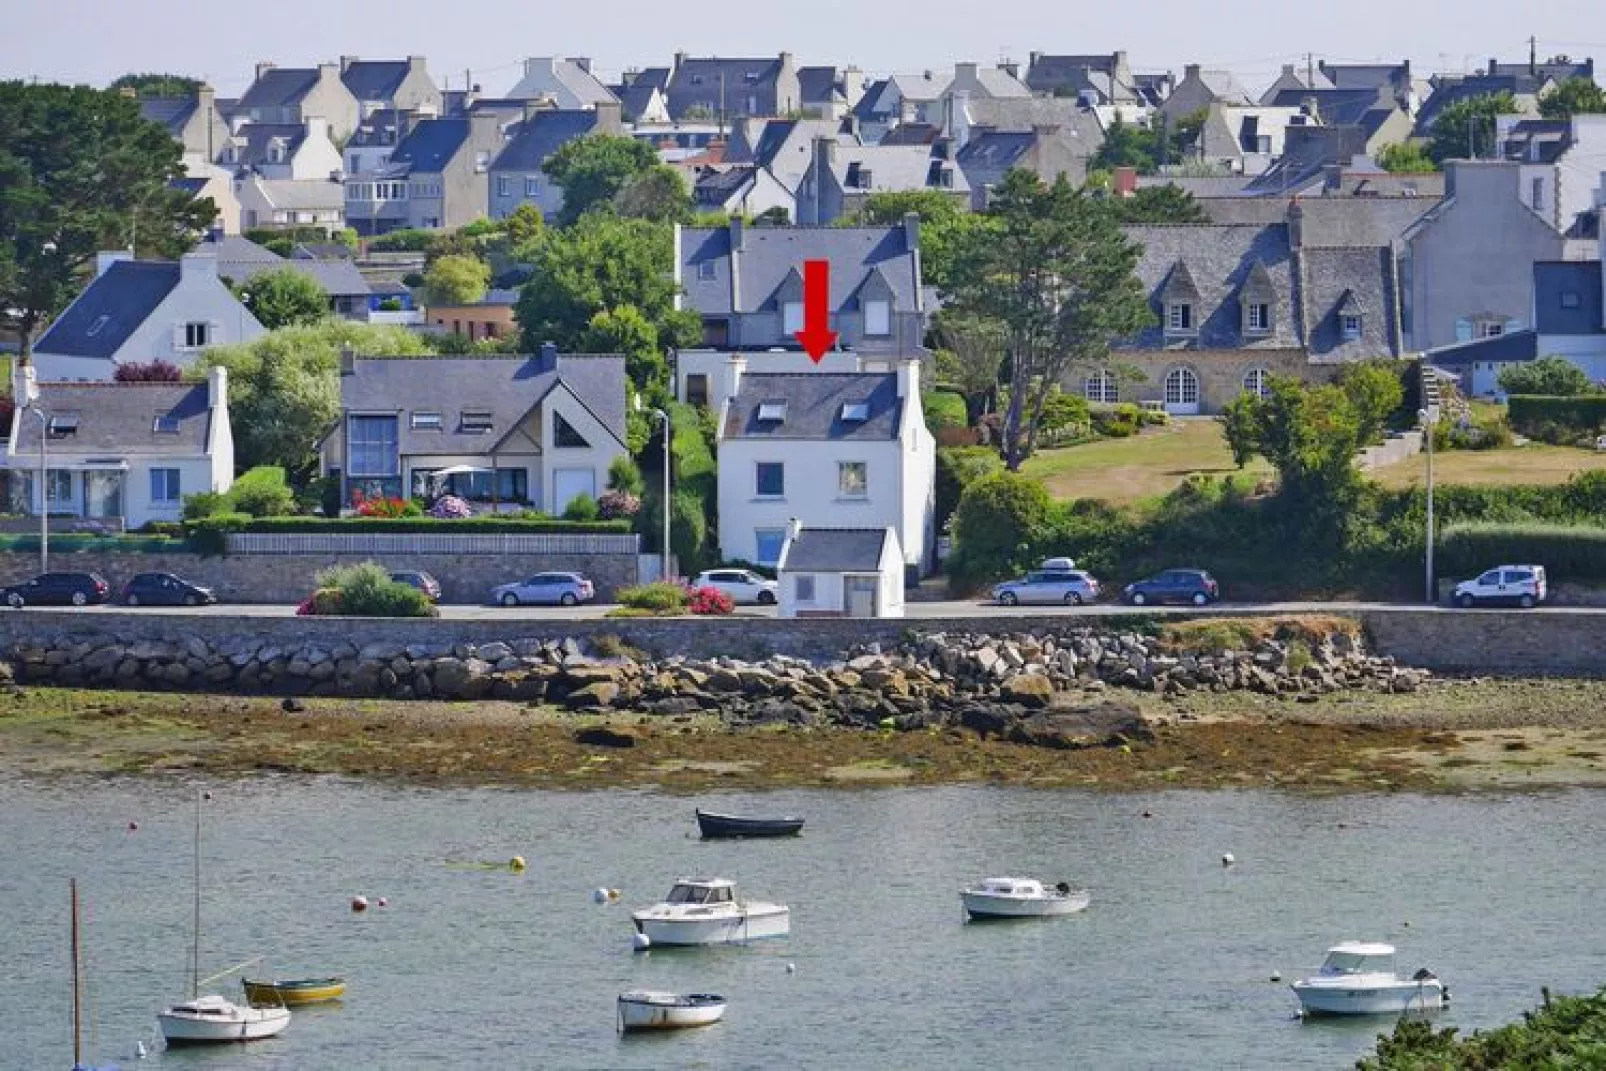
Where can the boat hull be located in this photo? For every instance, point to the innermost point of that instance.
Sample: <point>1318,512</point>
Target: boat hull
<point>252,1024</point>
<point>694,927</point>
<point>1367,998</point>
<point>294,993</point>
<point>980,905</point>
<point>668,1011</point>
<point>728,826</point>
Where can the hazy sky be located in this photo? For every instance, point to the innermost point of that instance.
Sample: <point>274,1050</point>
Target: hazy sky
<point>96,40</point>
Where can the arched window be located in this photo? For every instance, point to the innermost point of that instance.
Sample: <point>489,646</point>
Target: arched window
<point>1257,382</point>
<point>1181,391</point>
<point>1101,387</point>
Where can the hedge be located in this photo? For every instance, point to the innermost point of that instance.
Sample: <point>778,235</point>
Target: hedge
<point>945,409</point>
<point>1557,419</point>
<point>1569,552</point>
<point>431,525</point>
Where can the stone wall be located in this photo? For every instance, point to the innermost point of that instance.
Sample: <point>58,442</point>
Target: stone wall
<point>288,578</point>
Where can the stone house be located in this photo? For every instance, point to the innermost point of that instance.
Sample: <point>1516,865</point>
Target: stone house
<point>567,84</point>
<point>1562,164</point>
<point>1094,80</point>
<point>391,85</point>
<point>840,178</point>
<point>437,177</point>
<point>296,94</point>
<point>1201,88</point>
<point>302,151</point>
<point>716,87</point>
<point>196,123</point>
<point>516,177</point>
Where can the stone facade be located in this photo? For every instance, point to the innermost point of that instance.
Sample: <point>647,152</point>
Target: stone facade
<point>1221,374</point>
<point>288,578</point>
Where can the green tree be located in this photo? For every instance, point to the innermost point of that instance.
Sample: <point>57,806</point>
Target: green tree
<point>284,297</point>
<point>944,225</point>
<point>602,262</point>
<point>284,387</point>
<point>1575,96</point>
<point>625,330</point>
<point>999,520</point>
<point>1374,391</point>
<point>158,85</point>
<point>1554,376</point>
<point>593,169</point>
<point>1157,204</point>
<point>1125,145</point>
<point>81,171</point>
<point>1057,273</point>
<point>971,356</point>
<point>456,279</point>
<point>1406,158</point>
<point>1240,425</point>
<point>658,193</point>
<point>957,468</point>
<point>1466,129</point>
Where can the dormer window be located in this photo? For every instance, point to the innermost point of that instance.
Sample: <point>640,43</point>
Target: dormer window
<point>1350,325</point>
<point>791,318</point>
<point>772,412</point>
<point>165,424</point>
<point>476,421</point>
<point>63,424</point>
<point>706,269</point>
<point>1179,318</point>
<point>426,420</point>
<point>1257,317</point>
<point>878,318</point>
<point>855,412</point>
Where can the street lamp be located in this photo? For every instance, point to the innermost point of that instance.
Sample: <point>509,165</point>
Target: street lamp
<point>659,414</point>
<point>1428,417</point>
<point>44,488</point>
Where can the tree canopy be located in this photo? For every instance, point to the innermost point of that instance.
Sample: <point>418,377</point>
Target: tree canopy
<point>151,84</point>
<point>1465,129</point>
<point>1575,96</point>
<point>1157,204</point>
<point>284,297</point>
<point>1146,148</point>
<point>1553,376</point>
<point>1406,158</point>
<point>658,193</point>
<point>593,169</point>
<point>944,225</point>
<point>456,279</point>
<point>81,171</point>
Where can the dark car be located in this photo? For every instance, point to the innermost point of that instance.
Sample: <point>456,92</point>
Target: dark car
<point>164,589</point>
<point>1174,585</point>
<point>57,589</point>
<point>417,578</point>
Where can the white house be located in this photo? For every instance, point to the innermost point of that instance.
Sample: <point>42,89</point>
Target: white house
<point>301,151</point>
<point>832,449</point>
<point>283,203</point>
<point>136,311</point>
<point>503,432</point>
<point>567,83</point>
<point>119,454</point>
<point>840,572</point>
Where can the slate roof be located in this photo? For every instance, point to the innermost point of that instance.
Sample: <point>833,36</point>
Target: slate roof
<point>171,112</point>
<point>634,99</point>
<point>110,309</point>
<point>1046,74</point>
<point>868,106</point>
<point>190,185</point>
<point>1024,113</point>
<point>784,146</point>
<point>891,168</point>
<point>656,77</point>
<point>1224,87</point>
<point>1357,281</point>
<point>835,550</point>
<point>1219,260</point>
<point>1293,78</point>
<point>541,135</point>
<point>251,141</point>
<point>818,85</point>
<point>1509,348</point>
<point>379,128</point>
<point>1580,280</point>
<point>999,83</point>
<point>698,79</point>
<point>1338,107</point>
<point>715,187</point>
<point>302,193</point>
<point>1358,222</point>
<point>506,387</point>
<point>912,134</point>
<point>926,86</point>
<point>814,402</point>
<point>321,251</point>
<point>770,254</point>
<point>1307,152</point>
<point>120,419</point>
<point>567,73</point>
<point>278,87</point>
<point>1202,186</point>
<point>1537,140</point>
<point>994,151</point>
<point>375,79</point>
<point>431,144</point>
<point>240,260</point>
<point>1450,90</point>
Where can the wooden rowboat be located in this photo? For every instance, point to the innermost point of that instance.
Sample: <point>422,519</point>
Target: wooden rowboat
<point>294,991</point>
<point>715,826</point>
<point>648,1010</point>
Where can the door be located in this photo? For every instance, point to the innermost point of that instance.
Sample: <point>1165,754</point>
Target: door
<point>859,595</point>
<point>1182,392</point>
<point>568,484</point>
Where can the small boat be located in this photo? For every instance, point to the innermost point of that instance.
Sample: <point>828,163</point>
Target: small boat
<point>717,826</point>
<point>1358,978</point>
<point>647,1010</point>
<point>705,911</point>
<point>1022,898</point>
<point>291,992</point>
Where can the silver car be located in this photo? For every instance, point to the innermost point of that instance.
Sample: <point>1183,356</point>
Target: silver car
<point>552,589</point>
<point>1048,587</point>
<point>742,586</point>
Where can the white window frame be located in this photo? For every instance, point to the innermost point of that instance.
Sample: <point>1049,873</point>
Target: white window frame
<point>853,479</point>
<point>58,487</point>
<point>1257,316</point>
<point>1257,382</point>
<point>504,185</point>
<point>1488,328</point>
<point>759,534</point>
<point>532,186</point>
<point>791,318</point>
<point>394,442</point>
<point>197,334</point>
<point>1350,326</point>
<point>1102,388</point>
<point>1186,383</point>
<point>878,319</point>
<point>1179,318</point>
<point>170,492</point>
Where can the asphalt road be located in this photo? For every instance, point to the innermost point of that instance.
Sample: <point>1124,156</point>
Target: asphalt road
<point>912,610</point>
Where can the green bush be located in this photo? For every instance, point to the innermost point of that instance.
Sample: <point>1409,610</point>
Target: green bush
<point>581,508</point>
<point>1557,419</point>
<point>533,524</point>
<point>1573,552</point>
<point>1118,423</point>
<point>262,492</point>
<point>659,597</point>
<point>204,504</point>
<point>995,527</point>
<point>1488,431</point>
<point>625,475</point>
<point>208,536</point>
<point>366,590</point>
<point>957,468</point>
<point>1566,1032</point>
<point>945,409</point>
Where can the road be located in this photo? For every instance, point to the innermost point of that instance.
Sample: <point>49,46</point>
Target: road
<point>912,611</point>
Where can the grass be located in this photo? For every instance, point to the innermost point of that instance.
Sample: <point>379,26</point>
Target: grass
<point>1535,463</point>
<point>1143,466</point>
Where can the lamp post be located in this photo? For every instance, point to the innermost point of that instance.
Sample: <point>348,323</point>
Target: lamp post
<point>44,488</point>
<point>663,416</point>
<point>1428,418</point>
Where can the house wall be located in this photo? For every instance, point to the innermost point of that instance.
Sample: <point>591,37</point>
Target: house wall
<point>555,459</point>
<point>917,533</point>
<point>510,189</point>
<point>1221,372</point>
<point>474,321</point>
<point>418,91</point>
<point>330,99</point>
<point>316,158</point>
<point>465,184</point>
<point>1581,171</point>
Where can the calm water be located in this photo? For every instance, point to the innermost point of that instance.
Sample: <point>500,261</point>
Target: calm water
<point>473,968</point>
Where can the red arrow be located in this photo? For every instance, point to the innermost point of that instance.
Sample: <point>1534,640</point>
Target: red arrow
<point>816,336</point>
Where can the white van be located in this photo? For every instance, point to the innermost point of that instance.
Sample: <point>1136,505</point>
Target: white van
<point>1504,585</point>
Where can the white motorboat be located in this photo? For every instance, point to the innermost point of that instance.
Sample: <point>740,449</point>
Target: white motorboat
<point>1022,898</point>
<point>706,911</point>
<point>648,1010</point>
<point>216,1019</point>
<point>1358,978</point>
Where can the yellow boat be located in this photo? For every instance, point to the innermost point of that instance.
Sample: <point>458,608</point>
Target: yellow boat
<point>294,991</point>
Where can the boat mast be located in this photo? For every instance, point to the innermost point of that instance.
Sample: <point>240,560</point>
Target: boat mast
<point>77,1003</point>
<point>195,946</point>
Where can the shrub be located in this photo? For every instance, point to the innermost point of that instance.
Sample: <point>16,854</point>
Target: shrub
<point>157,371</point>
<point>1118,423</point>
<point>262,492</point>
<point>1552,376</point>
<point>581,508</point>
<point>616,505</point>
<point>625,475</point>
<point>945,409</point>
<point>208,536</point>
<point>659,597</point>
<point>204,504</point>
<point>1556,419</point>
<point>1567,551</point>
<point>707,601</point>
<point>999,519</point>
<point>529,522</point>
<point>957,468</point>
<point>386,506</point>
<point>366,590</point>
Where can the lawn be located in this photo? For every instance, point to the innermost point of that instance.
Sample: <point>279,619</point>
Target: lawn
<point>1126,470</point>
<point>1534,463</point>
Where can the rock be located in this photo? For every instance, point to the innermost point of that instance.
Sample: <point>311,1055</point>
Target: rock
<point>1029,690</point>
<point>494,652</point>
<point>596,695</point>
<point>724,680</point>
<point>1079,727</point>
<point>864,662</point>
<point>779,712</point>
<point>675,704</point>
<point>984,720</point>
<point>603,736</point>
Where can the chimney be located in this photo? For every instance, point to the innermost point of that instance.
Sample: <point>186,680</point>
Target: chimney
<point>1494,65</point>
<point>348,361</point>
<point>1288,71</point>
<point>794,528</point>
<point>198,266</point>
<point>911,230</point>
<point>965,70</point>
<point>957,114</point>
<point>582,62</point>
<point>610,117</point>
<point>1296,224</point>
<point>217,387</point>
<point>415,64</point>
<point>680,61</point>
<point>346,62</point>
<point>1031,59</point>
<point>1124,182</point>
<point>1009,67</point>
<point>263,67</point>
<point>206,100</point>
<point>1190,72</point>
<point>548,359</point>
<point>328,71</point>
<point>318,127</point>
<point>909,379</point>
<point>104,260</point>
<point>24,383</point>
<point>738,365</point>
<point>736,235</point>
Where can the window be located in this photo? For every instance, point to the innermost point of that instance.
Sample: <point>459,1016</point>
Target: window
<point>772,411</point>
<point>482,160</point>
<point>1490,328</point>
<point>1538,194</point>
<point>371,448</point>
<point>197,335</point>
<point>63,424</point>
<point>426,421</point>
<point>1259,316</point>
<point>564,435</point>
<point>1179,317</point>
<point>504,186</point>
<point>791,318</point>
<point>877,318</point>
<point>1181,388</point>
<point>697,389</point>
<point>706,269</point>
<point>855,412</point>
<point>511,485</point>
<point>474,421</point>
<point>58,486</point>
<point>1350,324</point>
<point>165,424</point>
<point>532,186</point>
<point>767,543</point>
<point>852,479</point>
<point>803,589</point>
<point>769,479</point>
<point>165,486</point>
<point>1257,382</point>
<point>1102,387</point>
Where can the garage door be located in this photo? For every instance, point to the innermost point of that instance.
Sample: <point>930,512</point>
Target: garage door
<point>567,484</point>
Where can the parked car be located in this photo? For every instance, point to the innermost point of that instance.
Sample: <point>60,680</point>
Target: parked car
<point>417,578</point>
<point>555,589</point>
<point>164,589</point>
<point>1174,585</point>
<point>1504,585</point>
<point>57,589</point>
<point>742,586</point>
<point>1048,586</point>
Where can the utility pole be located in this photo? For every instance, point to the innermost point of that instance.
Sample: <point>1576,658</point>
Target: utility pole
<point>1310,71</point>
<point>1533,57</point>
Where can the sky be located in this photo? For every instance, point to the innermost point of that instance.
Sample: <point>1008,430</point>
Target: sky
<point>94,41</point>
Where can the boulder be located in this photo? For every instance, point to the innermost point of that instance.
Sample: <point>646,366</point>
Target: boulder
<point>604,736</point>
<point>1029,690</point>
<point>594,696</point>
<point>1078,727</point>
